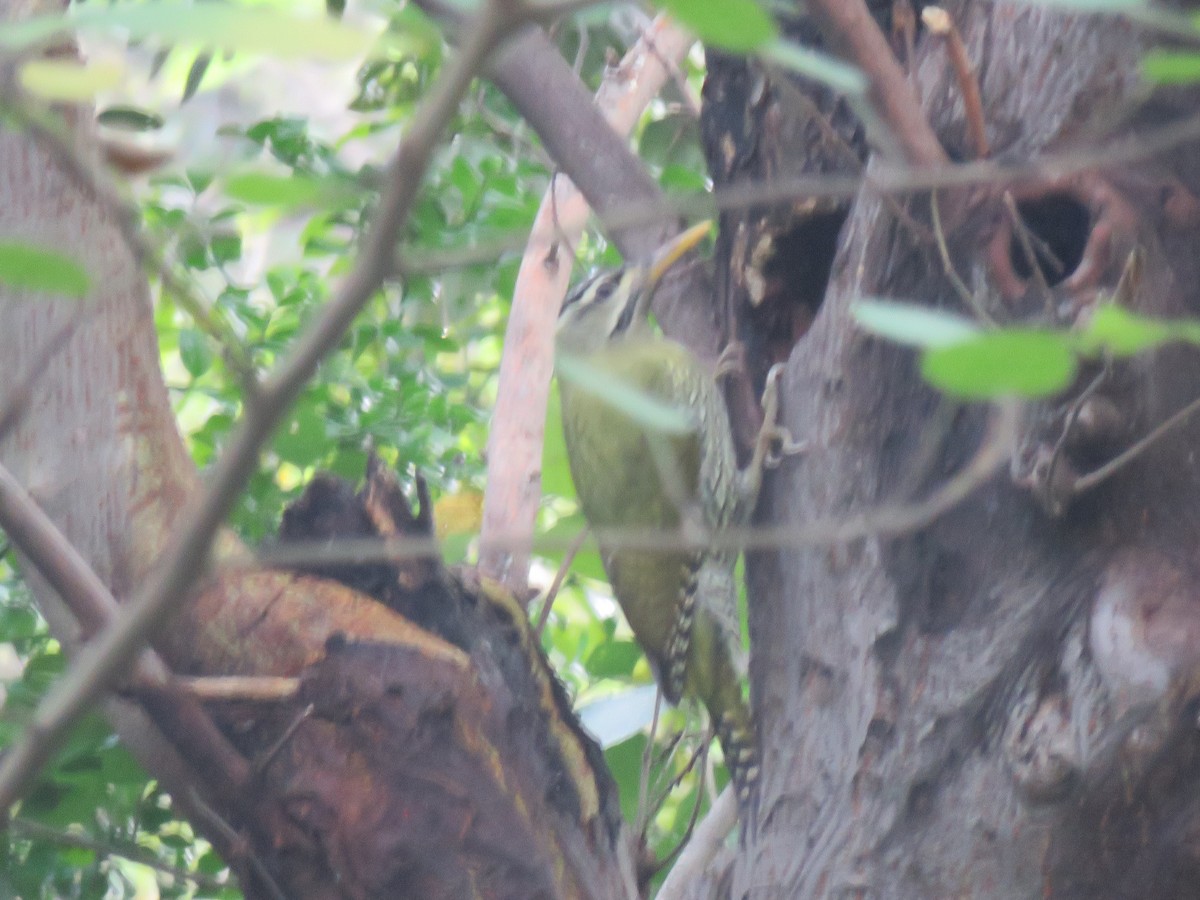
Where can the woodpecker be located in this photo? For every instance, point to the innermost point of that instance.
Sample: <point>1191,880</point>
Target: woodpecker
<point>680,597</point>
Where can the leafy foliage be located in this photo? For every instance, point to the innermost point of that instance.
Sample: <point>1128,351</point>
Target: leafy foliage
<point>259,219</point>
<point>974,364</point>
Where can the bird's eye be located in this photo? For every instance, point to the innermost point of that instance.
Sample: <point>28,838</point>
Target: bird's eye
<point>604,289</point>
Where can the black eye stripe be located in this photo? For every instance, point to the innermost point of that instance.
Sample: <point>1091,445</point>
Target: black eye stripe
<point>596,289</point>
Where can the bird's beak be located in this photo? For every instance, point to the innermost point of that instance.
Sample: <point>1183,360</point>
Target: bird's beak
<point>674,250</point>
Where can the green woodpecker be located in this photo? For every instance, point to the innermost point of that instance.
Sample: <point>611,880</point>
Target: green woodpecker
<point>680,599</point>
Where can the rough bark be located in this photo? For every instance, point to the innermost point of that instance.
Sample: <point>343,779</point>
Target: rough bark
<point>995,705</point>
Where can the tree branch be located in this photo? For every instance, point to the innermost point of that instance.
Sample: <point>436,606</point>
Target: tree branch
<point>850,29</point>
<point>185,722</point>
<point>514,484</point>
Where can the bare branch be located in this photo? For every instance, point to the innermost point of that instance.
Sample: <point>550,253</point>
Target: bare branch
<point>702,849</point>
<point>183,719</point>
<point>514,484</point>
<point>849,27</point>
<point>889,520</point>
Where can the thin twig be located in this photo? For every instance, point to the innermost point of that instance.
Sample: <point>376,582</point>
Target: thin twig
<point>261,763</point>
<point>965,294</point>
<point>883,521</point>
<point>107,657</point>
<point>240,688</point>
<point>884,179</point>
<point>707,840</point>
<point>213,819</point>
<point>1035,268</point>
<point>559,577</point>
<point>938,21</point>
<point>1092,479</point>
<point>36,831</point>
<point>515,442</point>
<point>849,27</point>
<point>642,819</point>
<point>182,720</point>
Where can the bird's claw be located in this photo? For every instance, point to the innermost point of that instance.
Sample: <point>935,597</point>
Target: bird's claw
<point>775,441</point>
<point>731,361</point>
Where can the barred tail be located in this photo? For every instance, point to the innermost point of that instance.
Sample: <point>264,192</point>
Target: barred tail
<point>735,731</point>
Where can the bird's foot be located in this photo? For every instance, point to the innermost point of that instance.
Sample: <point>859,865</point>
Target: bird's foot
<point>774,441</point>
<point>731,361</point>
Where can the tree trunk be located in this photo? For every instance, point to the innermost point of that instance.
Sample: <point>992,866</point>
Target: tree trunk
<point>426,750</point>
<point>995,703</point>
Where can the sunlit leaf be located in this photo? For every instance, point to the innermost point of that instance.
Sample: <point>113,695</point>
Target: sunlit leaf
<point>1117,330</point>
<point>264,189</point>
<point>458,514</point>
<point>1168,67</point>
<point>1001,364</point>
<point>248,29</point>
<point>842,77</point>
<point>646,410</point>
<point>737,25</point>
<point>195,352</point>
<point>36,268</point>
<point>613,659</point>
<point>907,323</point>
<point>69,80</point>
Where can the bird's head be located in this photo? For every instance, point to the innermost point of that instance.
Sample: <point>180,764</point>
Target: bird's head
<point>616,302</point>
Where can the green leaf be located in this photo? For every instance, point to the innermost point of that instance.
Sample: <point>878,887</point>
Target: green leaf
<point>264,189</point>
<point>1002,363</point>
<point>829,70</point>
<point>736,25</point>
<point>646,410</point>
<point>907,323</point>
<point>247,29</point>
<point>1171,67</point>
<point>36,268</point>
<point>1123,333</point>
<point>195,75</point>
<point>129,119</point>
<point>302,440</point>
<point>195,352</point>
<point>614,659</point>
<point>69,80</point>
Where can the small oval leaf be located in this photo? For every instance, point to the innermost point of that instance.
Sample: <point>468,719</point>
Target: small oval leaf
<point>127,118</point>
<point>1115,329</point>
<point>68,80</point>
<point>264,189</point>
<point>646,410</point>
<point>736,25</point>
<point>907,323</point>
<point>1002,364</point>
<point>36,268</point>
<point>247,29</point>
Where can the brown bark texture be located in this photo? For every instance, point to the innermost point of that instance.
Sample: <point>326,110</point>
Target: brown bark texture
<point>1001,702</point>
